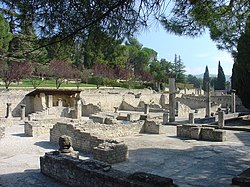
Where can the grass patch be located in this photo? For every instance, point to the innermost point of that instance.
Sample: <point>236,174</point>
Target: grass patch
<point>46,83</point>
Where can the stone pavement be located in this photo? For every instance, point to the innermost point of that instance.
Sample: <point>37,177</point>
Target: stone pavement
<point>187,162</point>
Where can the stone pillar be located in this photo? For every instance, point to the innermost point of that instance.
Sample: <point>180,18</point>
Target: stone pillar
<point>191,118</point>
<point>23,111</point>
<point>8,111</point>
<point>50,101</point>
<point>221,119</point>
<point>43,100</point>
<point>185,90</point>
<point>172,102</point>
<point>78,109</point>
<point>146,109</point>
<point>233,110</point>
<point>60,104</point>
<point>165,118</point>
<point>208,102</point>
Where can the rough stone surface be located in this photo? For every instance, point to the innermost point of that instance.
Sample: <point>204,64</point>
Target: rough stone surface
<point>90,173</point>
<point>152,126</point>
<point>111,152</point>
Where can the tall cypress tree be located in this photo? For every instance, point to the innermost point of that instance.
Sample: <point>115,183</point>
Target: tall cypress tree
<point>205,79</point>
<point>220,83</point>
<point>241,68</point>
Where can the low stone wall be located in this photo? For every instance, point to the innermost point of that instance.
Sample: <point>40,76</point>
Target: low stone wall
<point>2,132</point>
<point>86,136</point>
<point>111,152</point>
<point>90,173</point>
<point>201,133</point>
<point>40,127</point>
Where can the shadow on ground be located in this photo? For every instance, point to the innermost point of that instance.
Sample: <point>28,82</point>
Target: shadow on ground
<point>213,165</point>
<point>28,178</point>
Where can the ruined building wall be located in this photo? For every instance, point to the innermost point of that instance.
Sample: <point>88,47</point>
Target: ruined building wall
<point>89,135</point>
<point>15,97</point>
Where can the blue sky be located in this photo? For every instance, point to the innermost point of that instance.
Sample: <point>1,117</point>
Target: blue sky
<point>195,53</point>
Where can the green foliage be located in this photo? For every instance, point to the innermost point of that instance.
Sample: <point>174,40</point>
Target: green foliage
<point>225,21</point>
<point>205,79</point>
<point>194,80</point>
<point>178,69</point>
<point>241,68</point>
<point>5,35</point>
<point>220,83</point>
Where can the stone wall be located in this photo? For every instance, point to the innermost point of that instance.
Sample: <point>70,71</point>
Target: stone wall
<point>86,136</point>
<point>40,127</point>
<point>90,173</point>
<point>15,97</point>
<point>201,133</point>
<point>108,99</point>
<point>111,152</point>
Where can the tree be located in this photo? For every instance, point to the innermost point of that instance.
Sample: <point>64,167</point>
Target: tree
<point>160,72</point>
<point>14,71</point>
<point>179,69</point>
<point>59,70</point>
<point>5,36</point>
<point>225,20</point>
<point>194,80</point>
<point>241,68</point>
<point>205,80</point>
<point>220,83</point>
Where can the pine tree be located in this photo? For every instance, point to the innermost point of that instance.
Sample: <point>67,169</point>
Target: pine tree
<point>5,35</point>
<point>220,83</point>
<point>205,79</point>
<point>179,69</point>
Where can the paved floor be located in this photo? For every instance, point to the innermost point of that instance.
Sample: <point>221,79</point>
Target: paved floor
<point>188,162</point>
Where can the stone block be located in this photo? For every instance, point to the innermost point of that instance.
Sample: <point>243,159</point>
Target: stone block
<point>110,121</point>
<point>111,152</point>
<point>184,131</point>
<point>207,133</point>
<point>219,135</point>
<point>153,127</point>
<point>196,133</point>
<point>98,119</point>
<point>133,117</point>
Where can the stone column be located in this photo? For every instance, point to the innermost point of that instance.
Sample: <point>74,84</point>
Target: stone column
<point>221,119</point>
<point>43,100</point>
<point>172,102</point>
<point>233,101</point>
<point>8,111</point>
<point>78,109</point>
<point>23,111</point>
<point>191,118</point>
<point>185,90</point>
<point>165,118</point>
<point>60,104</point>
<point>208,102</point>
<point>146,109</point>
<point>50,101</point>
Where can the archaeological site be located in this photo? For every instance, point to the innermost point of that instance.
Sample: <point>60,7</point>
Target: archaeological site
<point>123,138</point>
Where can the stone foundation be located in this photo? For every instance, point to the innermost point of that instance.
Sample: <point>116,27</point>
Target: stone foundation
<point>40,127</point>
<point>201,133</point>
<point>86,136</point>
<point>90,173</point>
<point>111,152</point>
